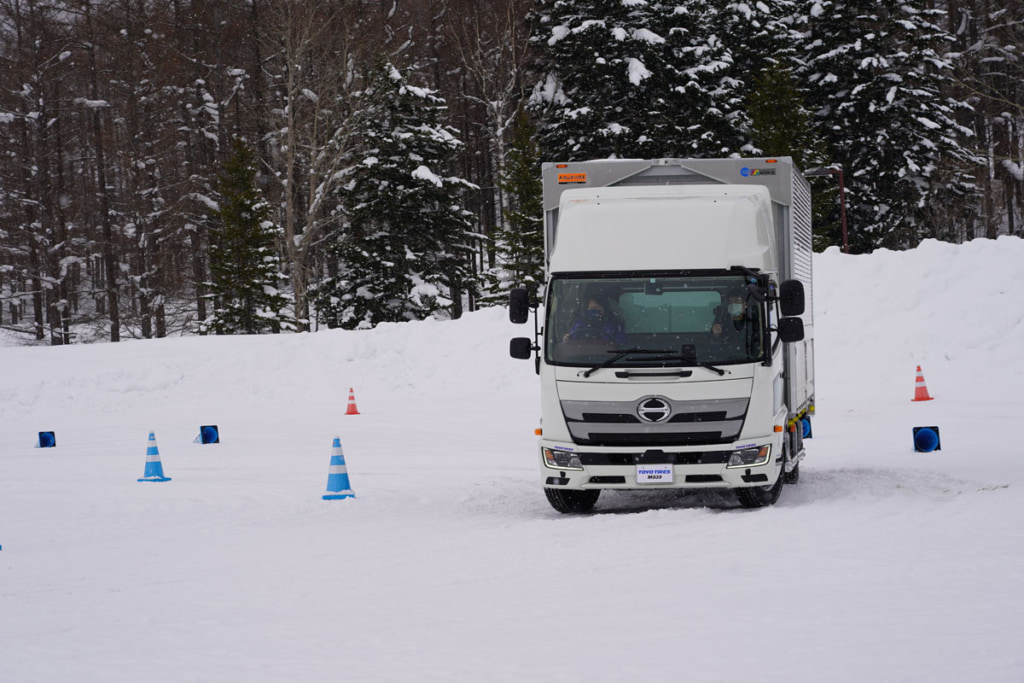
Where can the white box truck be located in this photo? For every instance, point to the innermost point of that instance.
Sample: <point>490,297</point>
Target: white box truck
<point>676,347</point>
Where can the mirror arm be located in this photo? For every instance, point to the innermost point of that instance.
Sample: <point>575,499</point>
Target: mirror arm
<point>536,337</point>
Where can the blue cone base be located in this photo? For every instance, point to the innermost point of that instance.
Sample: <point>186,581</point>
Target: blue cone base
<point>156,479</point>
<point>338,485</point>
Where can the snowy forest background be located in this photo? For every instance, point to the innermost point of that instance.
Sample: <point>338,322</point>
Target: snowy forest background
<point>247,166</point>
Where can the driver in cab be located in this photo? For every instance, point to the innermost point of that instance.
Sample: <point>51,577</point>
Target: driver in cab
<point>596,322</point>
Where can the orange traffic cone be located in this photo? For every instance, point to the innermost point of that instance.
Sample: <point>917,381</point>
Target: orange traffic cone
<point>920,390</point>
<point>351,410</point>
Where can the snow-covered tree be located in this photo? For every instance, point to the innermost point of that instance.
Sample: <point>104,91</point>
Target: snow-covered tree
<point>316,44</point>
<point>484,90</point>
<point>401,255</point>
<point>519,245</point>
<point>874,73</point>
<point>244,264</point>
<point>637,78</point>
<point>990,70</point>
<point>603,92</point>
<point>34,114</point>
<point>141,130</point>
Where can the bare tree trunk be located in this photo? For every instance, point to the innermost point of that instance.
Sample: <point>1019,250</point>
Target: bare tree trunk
<point>1008,183</point>
<point>43,300</point>
<point>295,257</point>
<point>198,273</point>
<point>489,46</point>
<point>62,271</point>
<point>315,51</point>
<point>109,254</point>
<point>257,84</point>
<point>37,289</point>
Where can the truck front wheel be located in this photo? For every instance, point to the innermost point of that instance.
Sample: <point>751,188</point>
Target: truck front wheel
<point>761,496</point>
<point>567,502</point>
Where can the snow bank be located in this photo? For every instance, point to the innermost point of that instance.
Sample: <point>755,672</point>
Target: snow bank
<point>951,308</point>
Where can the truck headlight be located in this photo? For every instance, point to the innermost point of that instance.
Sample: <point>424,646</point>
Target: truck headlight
<point>561,460</point>
<point>750,457</point>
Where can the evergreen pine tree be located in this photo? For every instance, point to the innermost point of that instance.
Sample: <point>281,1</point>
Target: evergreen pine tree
<point>519,245</point>
<point>875,79</point>
<point>780,124</point>
<point>602,95</point>
<point>732,42</point>
<point>403,252</point>
<point>638,78</point>
<point>244,265</point>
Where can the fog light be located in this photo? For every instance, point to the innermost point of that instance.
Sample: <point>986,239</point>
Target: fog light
<point>750,457</point>
<point>561,460</point>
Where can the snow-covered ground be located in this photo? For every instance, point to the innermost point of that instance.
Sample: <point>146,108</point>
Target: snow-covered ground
<point>882,564</point>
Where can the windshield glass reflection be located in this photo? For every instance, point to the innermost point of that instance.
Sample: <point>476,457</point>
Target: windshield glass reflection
<point>700,318</point>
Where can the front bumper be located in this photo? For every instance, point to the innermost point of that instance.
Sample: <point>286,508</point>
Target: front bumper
<point>690,469</point>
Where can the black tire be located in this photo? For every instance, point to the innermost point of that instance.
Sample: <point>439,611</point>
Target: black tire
<point>761,496</point>
<point>569,502</point>
<point>794,476</point>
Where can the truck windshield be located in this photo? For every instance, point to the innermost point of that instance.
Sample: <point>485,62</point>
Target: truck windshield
<point>702,318</point>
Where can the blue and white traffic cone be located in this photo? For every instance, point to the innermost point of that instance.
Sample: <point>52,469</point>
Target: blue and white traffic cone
<point>154,468</point>
<point>337,479</point>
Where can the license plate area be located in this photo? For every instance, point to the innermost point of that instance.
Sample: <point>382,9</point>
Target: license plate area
<point>654,474</point>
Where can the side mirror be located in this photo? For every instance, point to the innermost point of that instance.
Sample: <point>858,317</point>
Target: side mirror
<point>522,347</point>
<point>791,297</point>
<point>519,306</point>
<point>791,329</point>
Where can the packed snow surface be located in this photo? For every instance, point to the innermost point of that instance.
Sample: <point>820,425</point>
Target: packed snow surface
<point>882,564</point>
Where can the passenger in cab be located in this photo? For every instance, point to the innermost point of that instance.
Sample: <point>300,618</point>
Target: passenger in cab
<point>736,329</point>
<point>733,314</point>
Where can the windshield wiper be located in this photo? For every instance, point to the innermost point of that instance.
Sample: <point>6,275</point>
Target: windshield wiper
<point>664,355</point>
<point>698,364</point>
<point>619,355</point>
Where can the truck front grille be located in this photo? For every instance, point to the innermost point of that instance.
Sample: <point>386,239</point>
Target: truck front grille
<point>616,423</point>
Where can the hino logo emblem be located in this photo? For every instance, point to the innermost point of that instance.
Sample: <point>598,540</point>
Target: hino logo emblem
<point>654,409</point>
